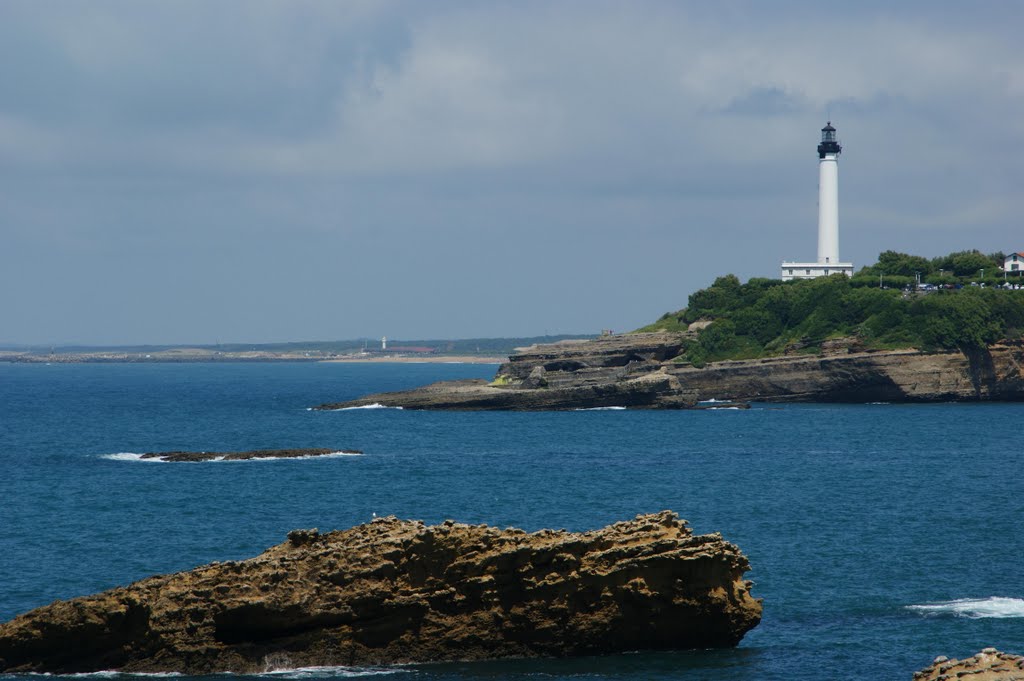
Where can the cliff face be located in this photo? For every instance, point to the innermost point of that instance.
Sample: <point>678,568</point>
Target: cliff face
<point>397,591</point>
<point>645,371</point>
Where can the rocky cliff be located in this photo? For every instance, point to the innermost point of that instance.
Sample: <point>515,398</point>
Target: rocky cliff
<point>397,591</point>
<point>647,371</point>
<point>988,665</point>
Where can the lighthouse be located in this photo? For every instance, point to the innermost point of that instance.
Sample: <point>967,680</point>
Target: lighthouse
<point>828,215</point>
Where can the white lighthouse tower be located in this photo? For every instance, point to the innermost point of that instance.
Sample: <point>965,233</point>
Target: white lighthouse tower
<point>828,216</point>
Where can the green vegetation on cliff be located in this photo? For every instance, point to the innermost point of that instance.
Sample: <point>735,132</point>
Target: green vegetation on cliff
<point>766,317</point>
<point>962,264</point>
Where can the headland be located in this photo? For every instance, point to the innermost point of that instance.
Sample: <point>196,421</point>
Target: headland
<point>643,371</point>
<point>830,339</point>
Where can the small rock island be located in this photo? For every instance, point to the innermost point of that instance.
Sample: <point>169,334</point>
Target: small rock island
<point>394,591</point>
<point>247,455</point>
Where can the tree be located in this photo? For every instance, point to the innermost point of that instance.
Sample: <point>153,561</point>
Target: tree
<point>893,262</point>
<point>968,263</point>
<point>716,300</point>
<point>961,320</point>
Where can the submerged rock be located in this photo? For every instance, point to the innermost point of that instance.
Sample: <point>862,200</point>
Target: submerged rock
<point>988,665</point>
<point>242,456</point>
<point>394,591</point>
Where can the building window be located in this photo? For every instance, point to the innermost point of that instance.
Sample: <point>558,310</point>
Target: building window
<point>807,271</point>
<point>791,271</point>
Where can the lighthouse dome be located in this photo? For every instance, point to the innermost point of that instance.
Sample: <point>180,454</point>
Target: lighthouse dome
<point>829,144</point>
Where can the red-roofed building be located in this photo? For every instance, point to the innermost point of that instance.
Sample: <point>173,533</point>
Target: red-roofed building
<point>1014,262</point>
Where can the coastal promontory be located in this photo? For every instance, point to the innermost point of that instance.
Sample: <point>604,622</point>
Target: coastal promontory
<point>649,371</point>
<point>832,339</point>
<point>393,591</point>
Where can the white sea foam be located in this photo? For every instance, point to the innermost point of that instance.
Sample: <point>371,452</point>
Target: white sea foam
<point>128,456</point>
<point>333,672</point>
<point>329,455</point>
<point>600,409</point>
<point>104,675</point>
<point>375,405</point>
<point>132,456</point>
<point>295,673</point>
<point>975,608</point>
<point>115,675</point>
<point>723,408</point>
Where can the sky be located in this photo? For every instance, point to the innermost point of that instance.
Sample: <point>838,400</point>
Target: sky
<point>202,171</point>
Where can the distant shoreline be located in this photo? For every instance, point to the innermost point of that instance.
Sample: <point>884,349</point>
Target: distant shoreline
<point>426,359</point>
<point>180,357</point>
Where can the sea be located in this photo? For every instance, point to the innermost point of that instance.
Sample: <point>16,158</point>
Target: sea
<point>880,535</point>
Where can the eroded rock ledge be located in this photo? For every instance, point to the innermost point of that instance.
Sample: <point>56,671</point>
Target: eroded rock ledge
<point>394,591</point>
<point>244,456</point>
<point>647,371</point>
<point>988,665</point>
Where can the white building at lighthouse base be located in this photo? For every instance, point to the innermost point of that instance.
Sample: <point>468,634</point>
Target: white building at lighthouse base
<point>813,270</point>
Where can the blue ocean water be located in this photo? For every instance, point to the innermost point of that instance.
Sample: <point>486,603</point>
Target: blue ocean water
<point>879,535</point>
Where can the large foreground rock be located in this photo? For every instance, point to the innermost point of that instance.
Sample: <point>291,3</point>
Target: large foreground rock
<point>397,591</point>
<point>647,371</point>
<point>988,665</point>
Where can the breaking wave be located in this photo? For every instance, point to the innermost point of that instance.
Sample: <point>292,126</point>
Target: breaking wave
<point>296,673</point>
<point>600,409</point>
<point>134,456</point>
<point>128,456</point>
<point>375,405</point>
<point>332,672</point>
<point>974,608</point>
<point>95,675</point>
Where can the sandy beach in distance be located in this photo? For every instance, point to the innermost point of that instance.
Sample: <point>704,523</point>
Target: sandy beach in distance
<point>426,359</point>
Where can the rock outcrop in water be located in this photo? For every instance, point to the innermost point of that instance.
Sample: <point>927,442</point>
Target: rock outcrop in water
<point>245,456</point>
<point>646,371</point>
<point>396,591</point>
<point>988,665</point>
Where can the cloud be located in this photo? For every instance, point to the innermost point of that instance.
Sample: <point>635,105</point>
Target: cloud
<point>632,151</point>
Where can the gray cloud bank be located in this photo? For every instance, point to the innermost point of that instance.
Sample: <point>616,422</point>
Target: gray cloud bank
<point>227,170</point>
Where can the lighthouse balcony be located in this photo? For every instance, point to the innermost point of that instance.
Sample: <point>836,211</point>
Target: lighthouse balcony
<point>813,270</point>
<point>830,148</point>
